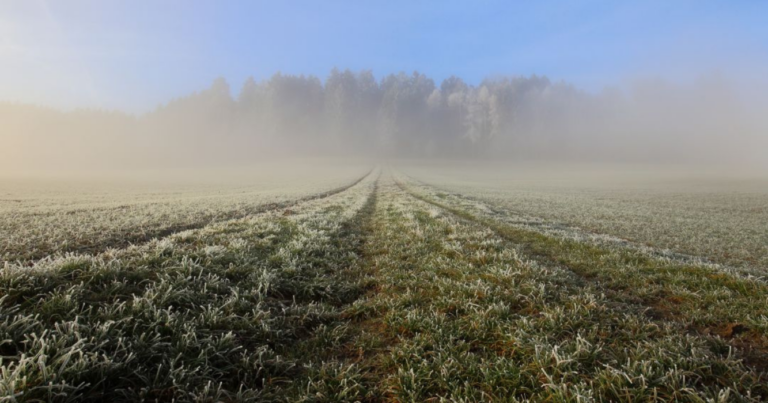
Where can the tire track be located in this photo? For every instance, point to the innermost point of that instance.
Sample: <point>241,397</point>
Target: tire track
<point>339,357</point>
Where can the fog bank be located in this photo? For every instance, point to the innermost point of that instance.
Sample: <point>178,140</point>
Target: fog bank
<point>353,114</point>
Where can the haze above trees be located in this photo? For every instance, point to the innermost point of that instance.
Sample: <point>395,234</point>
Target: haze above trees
<point>401,115</point>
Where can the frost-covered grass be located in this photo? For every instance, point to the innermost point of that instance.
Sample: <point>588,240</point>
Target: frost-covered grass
<point>231,311</point>
<point>463,314</point>
<point>40,218</point>
<point>719,217</point>
<point>390,290</point>
<point>707,299</point>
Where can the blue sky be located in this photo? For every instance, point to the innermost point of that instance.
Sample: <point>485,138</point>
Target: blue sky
<point>136,54</point>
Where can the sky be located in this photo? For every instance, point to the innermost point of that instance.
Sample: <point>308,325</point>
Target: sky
<point>135,55</point>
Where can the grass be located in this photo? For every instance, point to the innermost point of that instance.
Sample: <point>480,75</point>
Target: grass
<point>474,320</point>
<point>222,312</point>
<point>710,215</point>
<point>36,223</point>
<point>704,298</point>
<point>389,290</point>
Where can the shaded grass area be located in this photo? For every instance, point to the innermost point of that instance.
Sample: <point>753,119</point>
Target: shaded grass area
<point>240,311</point>
<point>463,317</point>
<point>701,298</point>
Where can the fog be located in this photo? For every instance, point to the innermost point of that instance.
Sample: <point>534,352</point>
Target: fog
<point>708,121</point>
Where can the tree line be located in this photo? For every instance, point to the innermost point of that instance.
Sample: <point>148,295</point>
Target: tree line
<point>399,115</point>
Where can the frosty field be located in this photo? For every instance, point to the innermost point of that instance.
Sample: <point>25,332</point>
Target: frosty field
<point>358,201</point>
<point>718,217</point>
<point>46,217</point>
<point>397,283</point>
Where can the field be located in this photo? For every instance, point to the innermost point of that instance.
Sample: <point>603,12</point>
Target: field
<point>45,217</point>
<point>406,283</point>
<point>715,216</point>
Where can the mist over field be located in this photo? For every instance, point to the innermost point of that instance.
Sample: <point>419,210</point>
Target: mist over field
<point>354,114</point>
